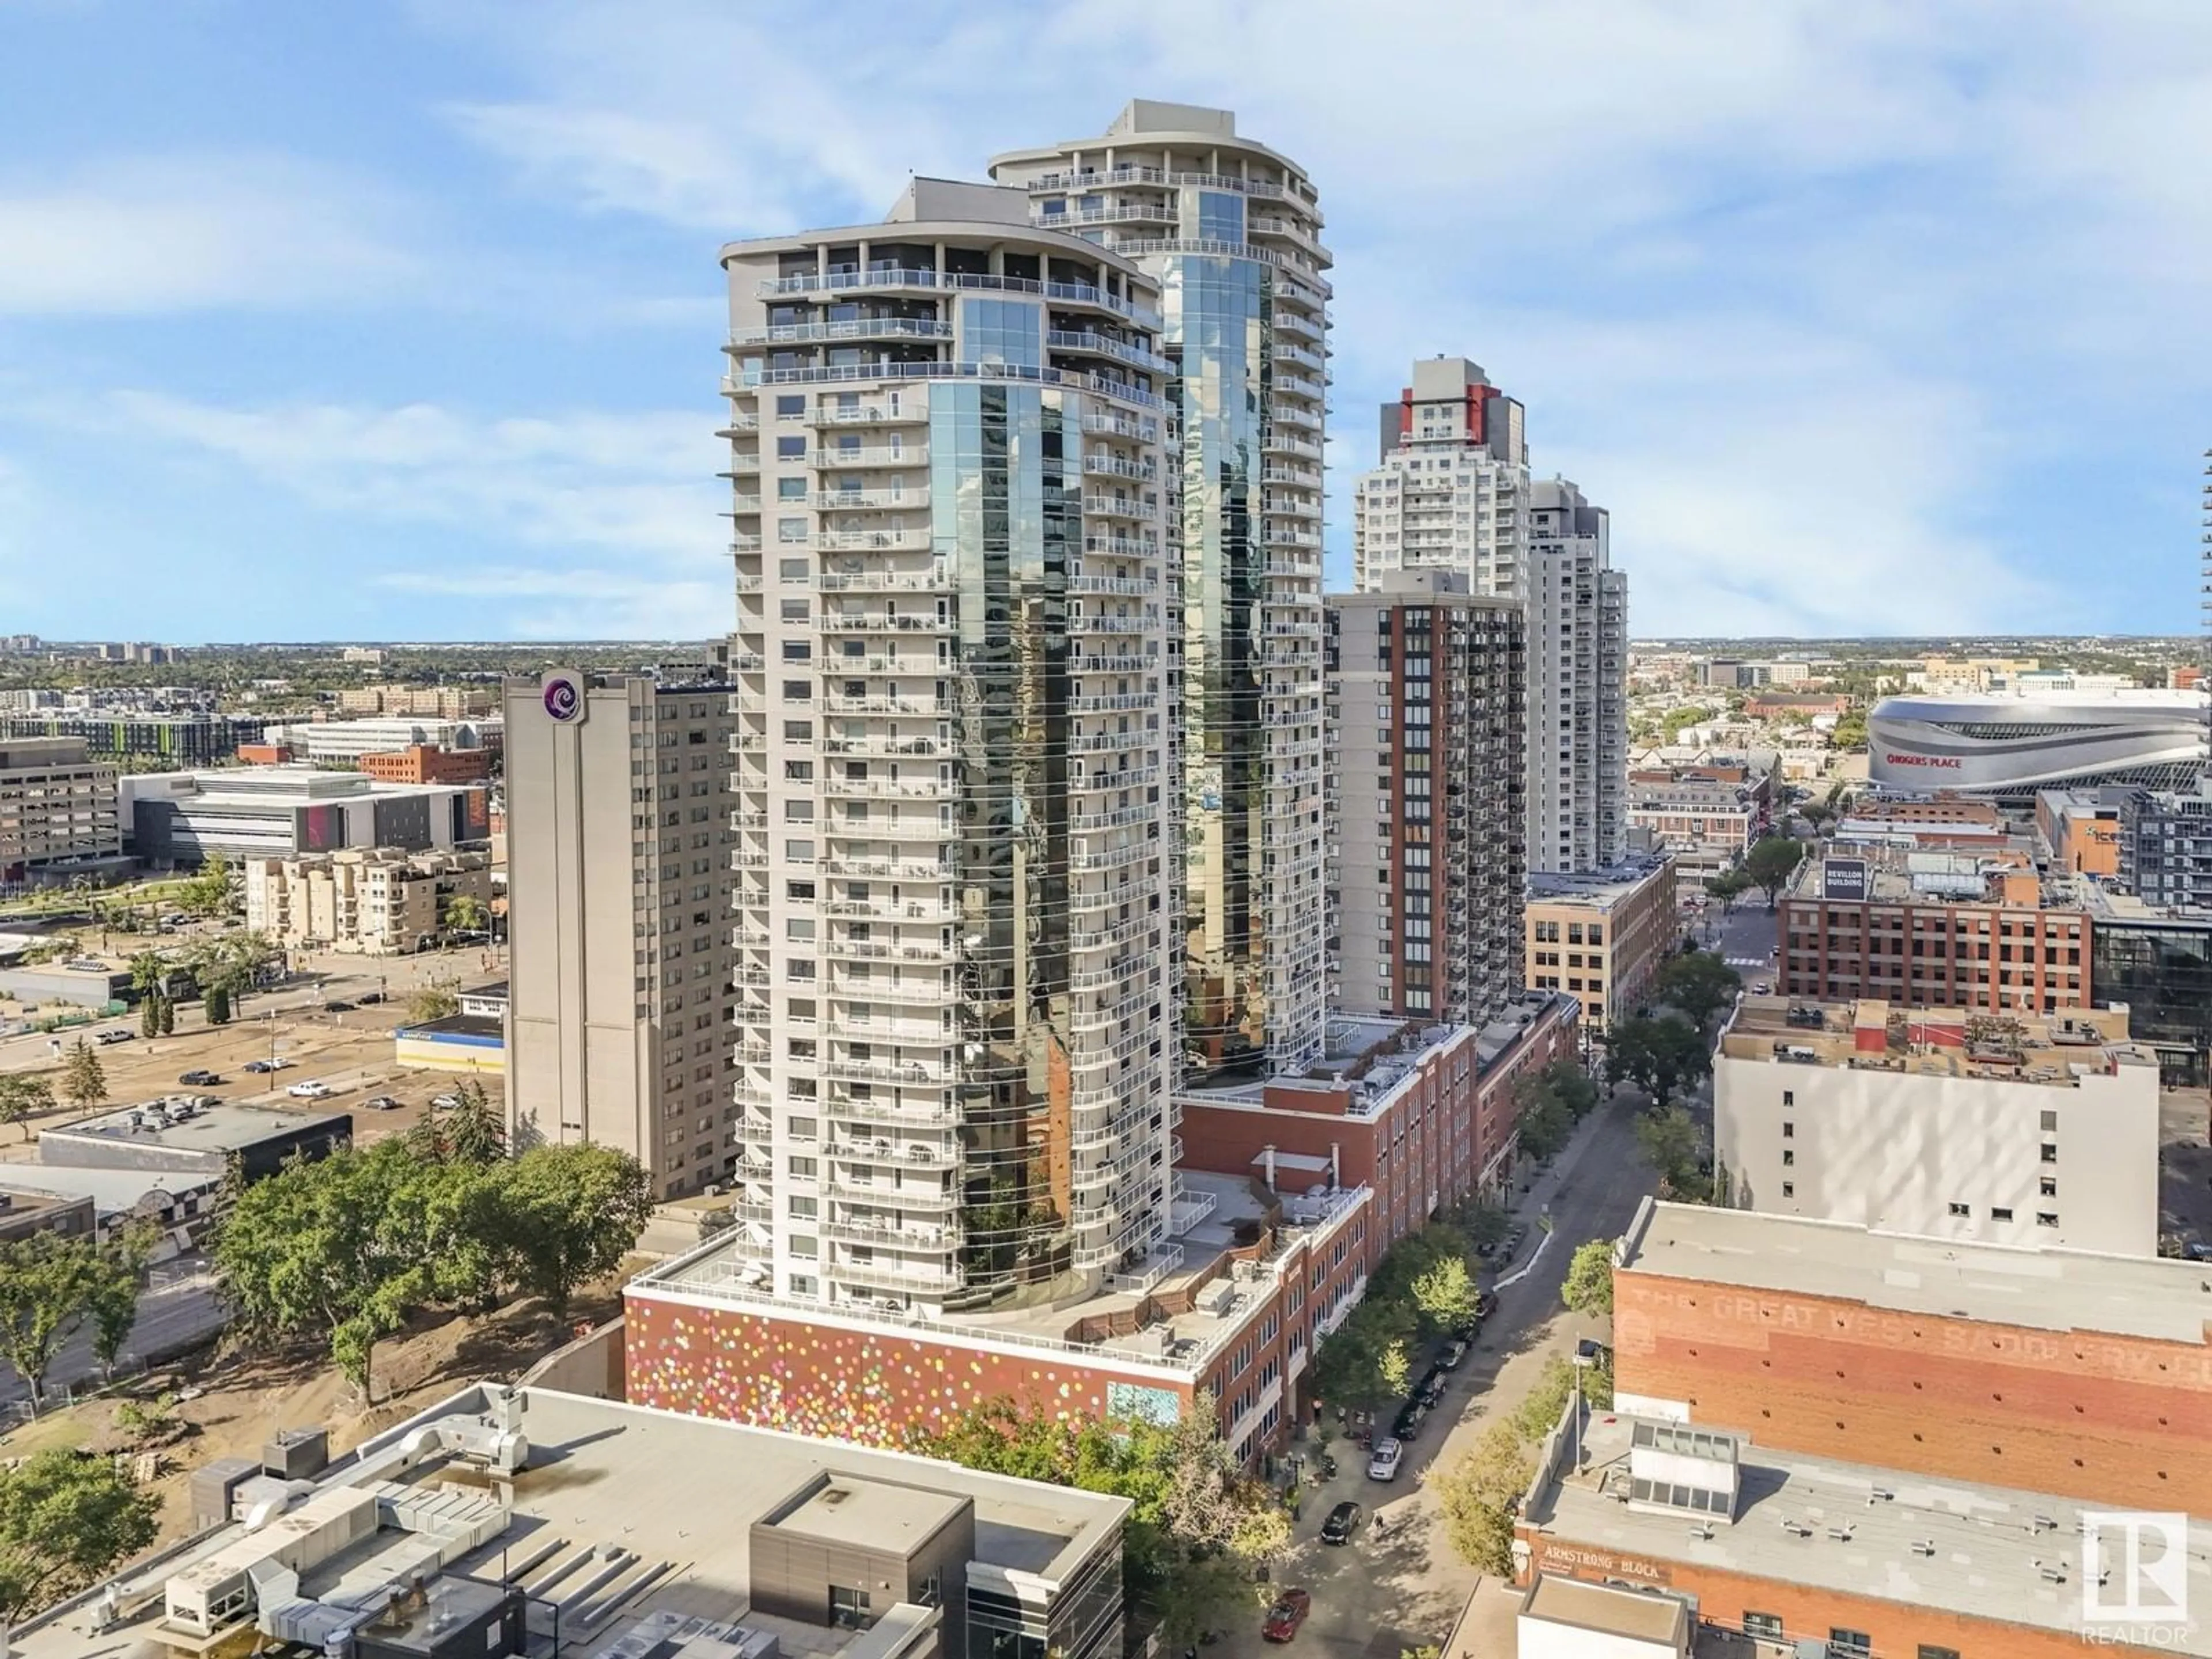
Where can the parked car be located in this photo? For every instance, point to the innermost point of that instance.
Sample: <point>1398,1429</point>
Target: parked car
<point>445,1102</point>
<point>309,1089</point>
<point>1383,1464</point>
<point>204,1080</point>
<point>106,1037</point>
<point>369,999</point>
<point>1343,1521</point>
<point>1452,1353</point>
<point>1431,1387</point>
<point>340,1007</point>
<point>1485,1303</point>
<point>381,1103</point>
<point>1407,1425</point>
<point>1284,1619</point>
<point>258,1066</point>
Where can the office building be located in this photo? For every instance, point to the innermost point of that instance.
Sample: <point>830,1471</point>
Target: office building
<point>2158,965</point>
<point>619,808</point>
<point>422,763</point>
<point>1599,937</point>
<point>2165,847</point>
<point>178,819</point>
<point>1427,714</point>
<point>460,1531</point>
<point>348,742</point>
<point>2007,745</point>
<point>377,901</point>
<point>1943,820</point>
<point>1942,1121</point>
<point>1228,232</point>
<point>1578,662</point>
<point>444,703</point>
<point>139,735</point>
<point>57,811</point>
<point>1452,492</point>
<point>1978,928</point>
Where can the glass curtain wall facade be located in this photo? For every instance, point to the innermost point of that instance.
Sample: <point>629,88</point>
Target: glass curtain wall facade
<point>954,1033</point>
<point>1231,232</point>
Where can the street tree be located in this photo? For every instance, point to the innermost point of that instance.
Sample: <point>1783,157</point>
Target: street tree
<point>1657,1053</point>
<point>208,893</point>
<point>24,1095</point>
<point>1348,1364</point>
<point>465,913</point>
<point>1477,1497</point>
<point>1395,1367</point>
<point>439,998</point>
<point>1445,1294</point>
<point>113,1288</point>
<point>46,1284</point>
<point>215,1005</point>
<point>1698,983</point>
<point>1770,862</point>
<point>1671,1145</point>
<point>474,1131</point>
<point>1727,887</point>
<point>65,1518</point>
<point>84,1080</point>
<point>1588,1288</point>
<point>567,1215</point>
<point>1544,1123</point>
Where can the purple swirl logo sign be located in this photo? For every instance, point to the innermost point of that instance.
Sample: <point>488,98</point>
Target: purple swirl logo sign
<point>564,699</point>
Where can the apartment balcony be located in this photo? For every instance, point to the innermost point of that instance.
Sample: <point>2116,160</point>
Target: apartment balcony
<point>851,328</point>
<point>1273,441</point>
<point>888,746</point>
<point>1133,587</point>
<point>883,1276</point>
<point>931,789</point>
<point>857,500</point>
<point>904,413</point>
<point>1122,547</point>
<point>907,1196</point>
<point>1293,415</point>
<point>882,581</point>
<point>1101,464</point>
<point>880,622</point>
<point>1150,213</point>
<point>906,539</point>
<point>1105,345</point>
<point>899,1071</point>
<point>932,953</point>
<point>902,826</point>
<point>910,1115</point>
<point>1288,321</point>
<point>743,420</point>
<point>1120,507</point>
<point>902,279</point>
<point>837,704</point>
<point>892,910</point>
<point>1117,662</point>
<point>888,869</point>
<point>910,1154</point>
<point>1114,858</point>
<point>924,1238</point>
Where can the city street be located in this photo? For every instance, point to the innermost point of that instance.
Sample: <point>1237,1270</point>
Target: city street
<point>1745,938</point>
<point>1372,1598</point>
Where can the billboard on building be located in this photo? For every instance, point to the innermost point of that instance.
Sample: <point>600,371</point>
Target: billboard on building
<point>1844,878</point>
<point>561,692</point>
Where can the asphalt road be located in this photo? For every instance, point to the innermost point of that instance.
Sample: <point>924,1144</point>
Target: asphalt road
<point>1372,1598</point>
<point>179,1311</point>
<point>1745,938</point>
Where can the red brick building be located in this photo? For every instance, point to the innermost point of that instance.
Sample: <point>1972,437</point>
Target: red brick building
<point>1423,1116</point>
<point>1849,1443</point>
<point>427,763</point>
<point>2061,1371</point>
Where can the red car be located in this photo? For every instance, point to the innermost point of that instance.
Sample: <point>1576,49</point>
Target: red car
<point>1284,1619</point>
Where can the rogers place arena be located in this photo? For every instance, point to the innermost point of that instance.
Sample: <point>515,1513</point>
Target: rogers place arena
<point>2009,747</point>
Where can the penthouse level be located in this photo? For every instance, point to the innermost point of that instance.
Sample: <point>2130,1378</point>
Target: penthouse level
<point>2062,1370</point>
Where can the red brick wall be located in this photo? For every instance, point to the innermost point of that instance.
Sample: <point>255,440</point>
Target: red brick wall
<point>2108,1419</point>
<point>822,1380</point>
<point>1897,1629</point>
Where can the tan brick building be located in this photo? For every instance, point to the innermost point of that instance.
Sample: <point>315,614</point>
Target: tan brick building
<point>377,901</point>
<point>1600,937</point>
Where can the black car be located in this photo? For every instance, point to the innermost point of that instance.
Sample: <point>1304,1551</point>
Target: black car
<point>1343,1521</point>
<point>202,1079</point>
<point>1485,1303</point>
<point>369,999</point>
<point>337,1007</point>
<point>1431,1387</point>
<point>1450,1356</point>
<point>1409,1421</point>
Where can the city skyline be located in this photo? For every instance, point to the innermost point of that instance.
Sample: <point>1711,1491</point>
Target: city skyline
<point>438,354</point>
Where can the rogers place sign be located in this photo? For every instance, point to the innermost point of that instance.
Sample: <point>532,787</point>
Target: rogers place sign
<point>1947,762</point>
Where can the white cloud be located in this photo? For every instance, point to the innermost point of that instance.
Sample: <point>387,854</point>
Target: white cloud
<point>181,233</point>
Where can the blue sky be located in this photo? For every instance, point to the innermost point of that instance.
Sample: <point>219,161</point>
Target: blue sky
<point>401,320</point>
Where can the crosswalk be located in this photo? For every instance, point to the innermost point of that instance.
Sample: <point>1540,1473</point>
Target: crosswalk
<point>1747,962</point>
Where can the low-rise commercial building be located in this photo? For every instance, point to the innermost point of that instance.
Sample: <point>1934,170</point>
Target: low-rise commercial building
<point>24,1210</point>
<point>422,762</point>
<point>344,743</point>
<point>1976,929</point>
<point>1600,936</point>
<point>1423,1116</point>
<point>197,1140</point>
<point>58,809</point>
<point>2066,1371</point>
<point>461,1531</point>
<point>378,902</point>
<point>1943,1122</point>
<point>179,818</point>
